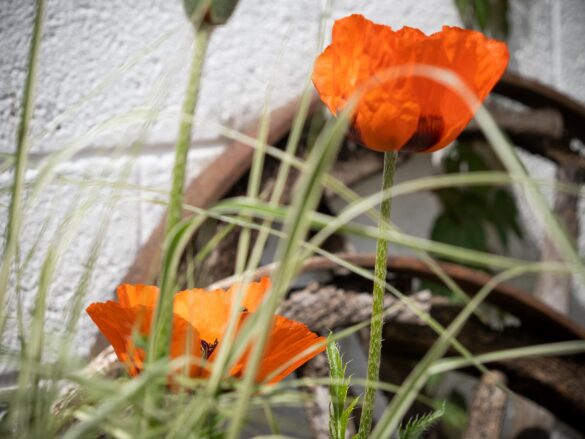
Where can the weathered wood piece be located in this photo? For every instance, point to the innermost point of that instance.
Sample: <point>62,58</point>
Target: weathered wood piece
<point>538,95</point>
<point>488,408</point>
<point>323,308</point>
<point>555,383</point>
<point>548,323</point>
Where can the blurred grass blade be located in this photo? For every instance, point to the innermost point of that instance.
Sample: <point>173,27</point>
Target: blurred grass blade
<point>297,225</point>
<point>549,349</point>
<point>22,144</point>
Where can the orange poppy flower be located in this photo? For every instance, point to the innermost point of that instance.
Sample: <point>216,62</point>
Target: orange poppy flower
<point>409,112</point>
<point>199,320</point>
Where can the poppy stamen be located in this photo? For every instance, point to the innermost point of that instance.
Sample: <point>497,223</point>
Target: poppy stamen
<point>428,133</point>
<point>207,348</point>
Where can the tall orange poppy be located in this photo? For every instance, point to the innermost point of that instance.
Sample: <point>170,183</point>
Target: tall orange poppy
<point>409,112</point>
<point>199,321</point>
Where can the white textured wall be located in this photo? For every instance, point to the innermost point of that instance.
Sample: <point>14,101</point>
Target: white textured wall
<point>104,64</point>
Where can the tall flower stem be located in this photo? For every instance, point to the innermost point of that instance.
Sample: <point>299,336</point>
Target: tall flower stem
<point>161,333</point>
<point>186,126</point>
<point>378,302</point>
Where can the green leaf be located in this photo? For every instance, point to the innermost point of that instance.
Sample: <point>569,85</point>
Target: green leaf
<point>338,389</point>
<point>482,10</point>
<point>465,232</point>
<point>462,6</point>
<point>504,216</point>
<point>474,162</point>
<point>416,426</point>
<point>437,289</point>
<point>500,23</point>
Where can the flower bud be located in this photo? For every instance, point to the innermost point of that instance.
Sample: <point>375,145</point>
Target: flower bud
<point>212,11</point>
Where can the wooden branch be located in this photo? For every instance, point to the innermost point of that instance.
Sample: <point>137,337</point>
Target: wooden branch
<point>105,363</point>
<point>534,314</point>
<point>326,308</point>
<point>537,131</point>
<point>488,408</point>
<point>528,123</point>
<point>537,95</point>
<point>553,382</point>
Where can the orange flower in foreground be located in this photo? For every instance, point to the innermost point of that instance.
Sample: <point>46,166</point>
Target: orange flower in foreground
<point>409,112</point>
<point>199,320</point>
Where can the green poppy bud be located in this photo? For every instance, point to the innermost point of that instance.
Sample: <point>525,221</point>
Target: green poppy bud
<point>212,11</point>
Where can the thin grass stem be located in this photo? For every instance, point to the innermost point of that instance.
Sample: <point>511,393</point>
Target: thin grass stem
<point>20,158</point>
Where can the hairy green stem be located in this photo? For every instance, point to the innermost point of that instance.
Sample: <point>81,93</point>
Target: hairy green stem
<point>186,126</point>
<point>162,322</point>
<point>378,302</point>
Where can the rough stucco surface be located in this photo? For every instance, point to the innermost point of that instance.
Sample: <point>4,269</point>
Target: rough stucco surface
<point>106,67</point>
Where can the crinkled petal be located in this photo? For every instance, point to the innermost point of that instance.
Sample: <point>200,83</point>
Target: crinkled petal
<point>290,345</point>
<point>132,295</point>
<point>121,326</point>
<point>397,107</point>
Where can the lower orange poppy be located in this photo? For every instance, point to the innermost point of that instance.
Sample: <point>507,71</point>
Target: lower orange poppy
<point>199,321</point>
<point>406,112</point>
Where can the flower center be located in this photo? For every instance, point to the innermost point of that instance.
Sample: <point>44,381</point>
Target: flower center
<point>427,134</point>
<point>207,348</point>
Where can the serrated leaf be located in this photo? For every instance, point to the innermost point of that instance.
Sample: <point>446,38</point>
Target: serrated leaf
<point>346,416</point>
<point>416,426</point>
<point>338,390</point>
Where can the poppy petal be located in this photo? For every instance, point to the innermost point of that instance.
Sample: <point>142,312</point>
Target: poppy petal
<point>284,353</point>
<point>119,324</point>
<point>207,311</point>
<point>397,108</point>
<point>254,294</point>
<point>132,295</point>
<point>479,62</point>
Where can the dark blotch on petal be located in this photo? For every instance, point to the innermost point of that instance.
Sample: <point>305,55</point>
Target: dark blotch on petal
<point>428,133</point>
<point>354,133</point>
